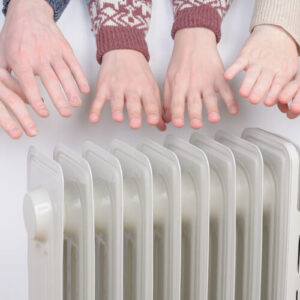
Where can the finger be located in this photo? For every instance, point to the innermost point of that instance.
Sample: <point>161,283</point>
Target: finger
<point>178,100</point>
<point>117,100</point>
<point>18,108</point>
<point>249,80</point>
<point>283,107</point>
<point>195,109</point>
<point>211,104</point>
<point>12,84</point>
<point>292,115</point>
<point>52,85</point>
<point>134,108</point>
<point>161,125</point>
<point>29,85</point>
<point>276,88</point>
<point>295,105</point>
<point>167,103</point>
<point>289,92</point>
<point>97,106</point>
<point>77,71</point>
<point>239,65</point>
<point>151,104</point>
<point>65,76</point>
<point>262,85</point>
<point>226,93</point>
<point>8,124</point>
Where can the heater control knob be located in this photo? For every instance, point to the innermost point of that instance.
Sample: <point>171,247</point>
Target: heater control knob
<point>37,211</point>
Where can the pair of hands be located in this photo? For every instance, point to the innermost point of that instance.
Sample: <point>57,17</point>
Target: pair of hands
<point>32,45</point>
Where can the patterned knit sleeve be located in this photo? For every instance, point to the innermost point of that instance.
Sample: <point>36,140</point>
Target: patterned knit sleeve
<point>57,5</point>
<point>120,24</point>
<point>200,13</point>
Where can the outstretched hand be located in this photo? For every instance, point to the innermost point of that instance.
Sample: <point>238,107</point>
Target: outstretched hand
<point>125,78</point>
<point>195,74</point>
<point>270,60</point>
<point>32,45</point>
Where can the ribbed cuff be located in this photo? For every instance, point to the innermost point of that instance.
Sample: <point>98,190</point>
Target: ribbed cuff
<point>112,38</point>
<point>200,16</point>
<point>285,14</point>
<point>57,5</point>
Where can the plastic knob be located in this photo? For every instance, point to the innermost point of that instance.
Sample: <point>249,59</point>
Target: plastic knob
<point>37,214</point>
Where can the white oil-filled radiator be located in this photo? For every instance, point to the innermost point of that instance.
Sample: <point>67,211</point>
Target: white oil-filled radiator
<point>208,219</point>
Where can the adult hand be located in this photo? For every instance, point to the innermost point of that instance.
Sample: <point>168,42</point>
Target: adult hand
<point>195,73</point>
<point>289,99</point>
<point>270,60</point>
<point>126,78</point>
<point>32,45</point>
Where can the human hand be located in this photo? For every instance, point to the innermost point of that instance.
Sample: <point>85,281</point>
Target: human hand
<point>195,73</point>
<point>12,98</point>
<point>270,60</point>
<point>126,78</point>
<point>31,44</point>
<point>289,99</point>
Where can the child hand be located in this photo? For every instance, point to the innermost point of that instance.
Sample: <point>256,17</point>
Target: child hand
<point>12,98</point>
<point>195,73</point>
<point>126,78</point>
<point>290,93</point>
<point>270,60</point>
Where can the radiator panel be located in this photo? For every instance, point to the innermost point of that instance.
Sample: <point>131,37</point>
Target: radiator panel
<point>249,215</point>
<point>79,232</point>
<point>280,276</point>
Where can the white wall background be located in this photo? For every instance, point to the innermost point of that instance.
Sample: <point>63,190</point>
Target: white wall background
<point>73,132</point>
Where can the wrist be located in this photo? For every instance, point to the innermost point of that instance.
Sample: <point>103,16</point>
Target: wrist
<point>41,6</point>
<point>195,36</point>
<point>274,29</point>
<point>117,54</point>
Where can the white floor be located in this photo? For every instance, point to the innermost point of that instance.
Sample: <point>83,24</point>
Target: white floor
<point>73,132</point>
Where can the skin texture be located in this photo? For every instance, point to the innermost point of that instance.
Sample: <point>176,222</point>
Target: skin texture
<point>125,79</point>
<point>289,99</point>
<point>32,45</point>
<point>270,60</point>
<point>195,74</point>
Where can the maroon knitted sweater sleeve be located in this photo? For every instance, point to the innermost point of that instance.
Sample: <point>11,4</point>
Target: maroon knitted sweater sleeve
<point>200,13</point>
<point>120,24</point>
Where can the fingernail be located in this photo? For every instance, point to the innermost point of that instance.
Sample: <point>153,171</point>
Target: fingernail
<point>94,118</point>
<point>85,88</point>
<point>117,116</point>
<point>153,119</point>
<point>214,117</point>
<point>32,130</point>
<point>233,109</point>
<point>178,122</point>
<point>75,100</point>
<point>66,111</point>
<point>15,131</point>
<point>196,123</point>
<point>135,122</point>
<point>44,110</point>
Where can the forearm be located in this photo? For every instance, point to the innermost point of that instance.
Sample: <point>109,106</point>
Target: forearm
<point>200,13</point>
<point>119,25</point>
<point>57,5</point>
<point>285,14</point>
